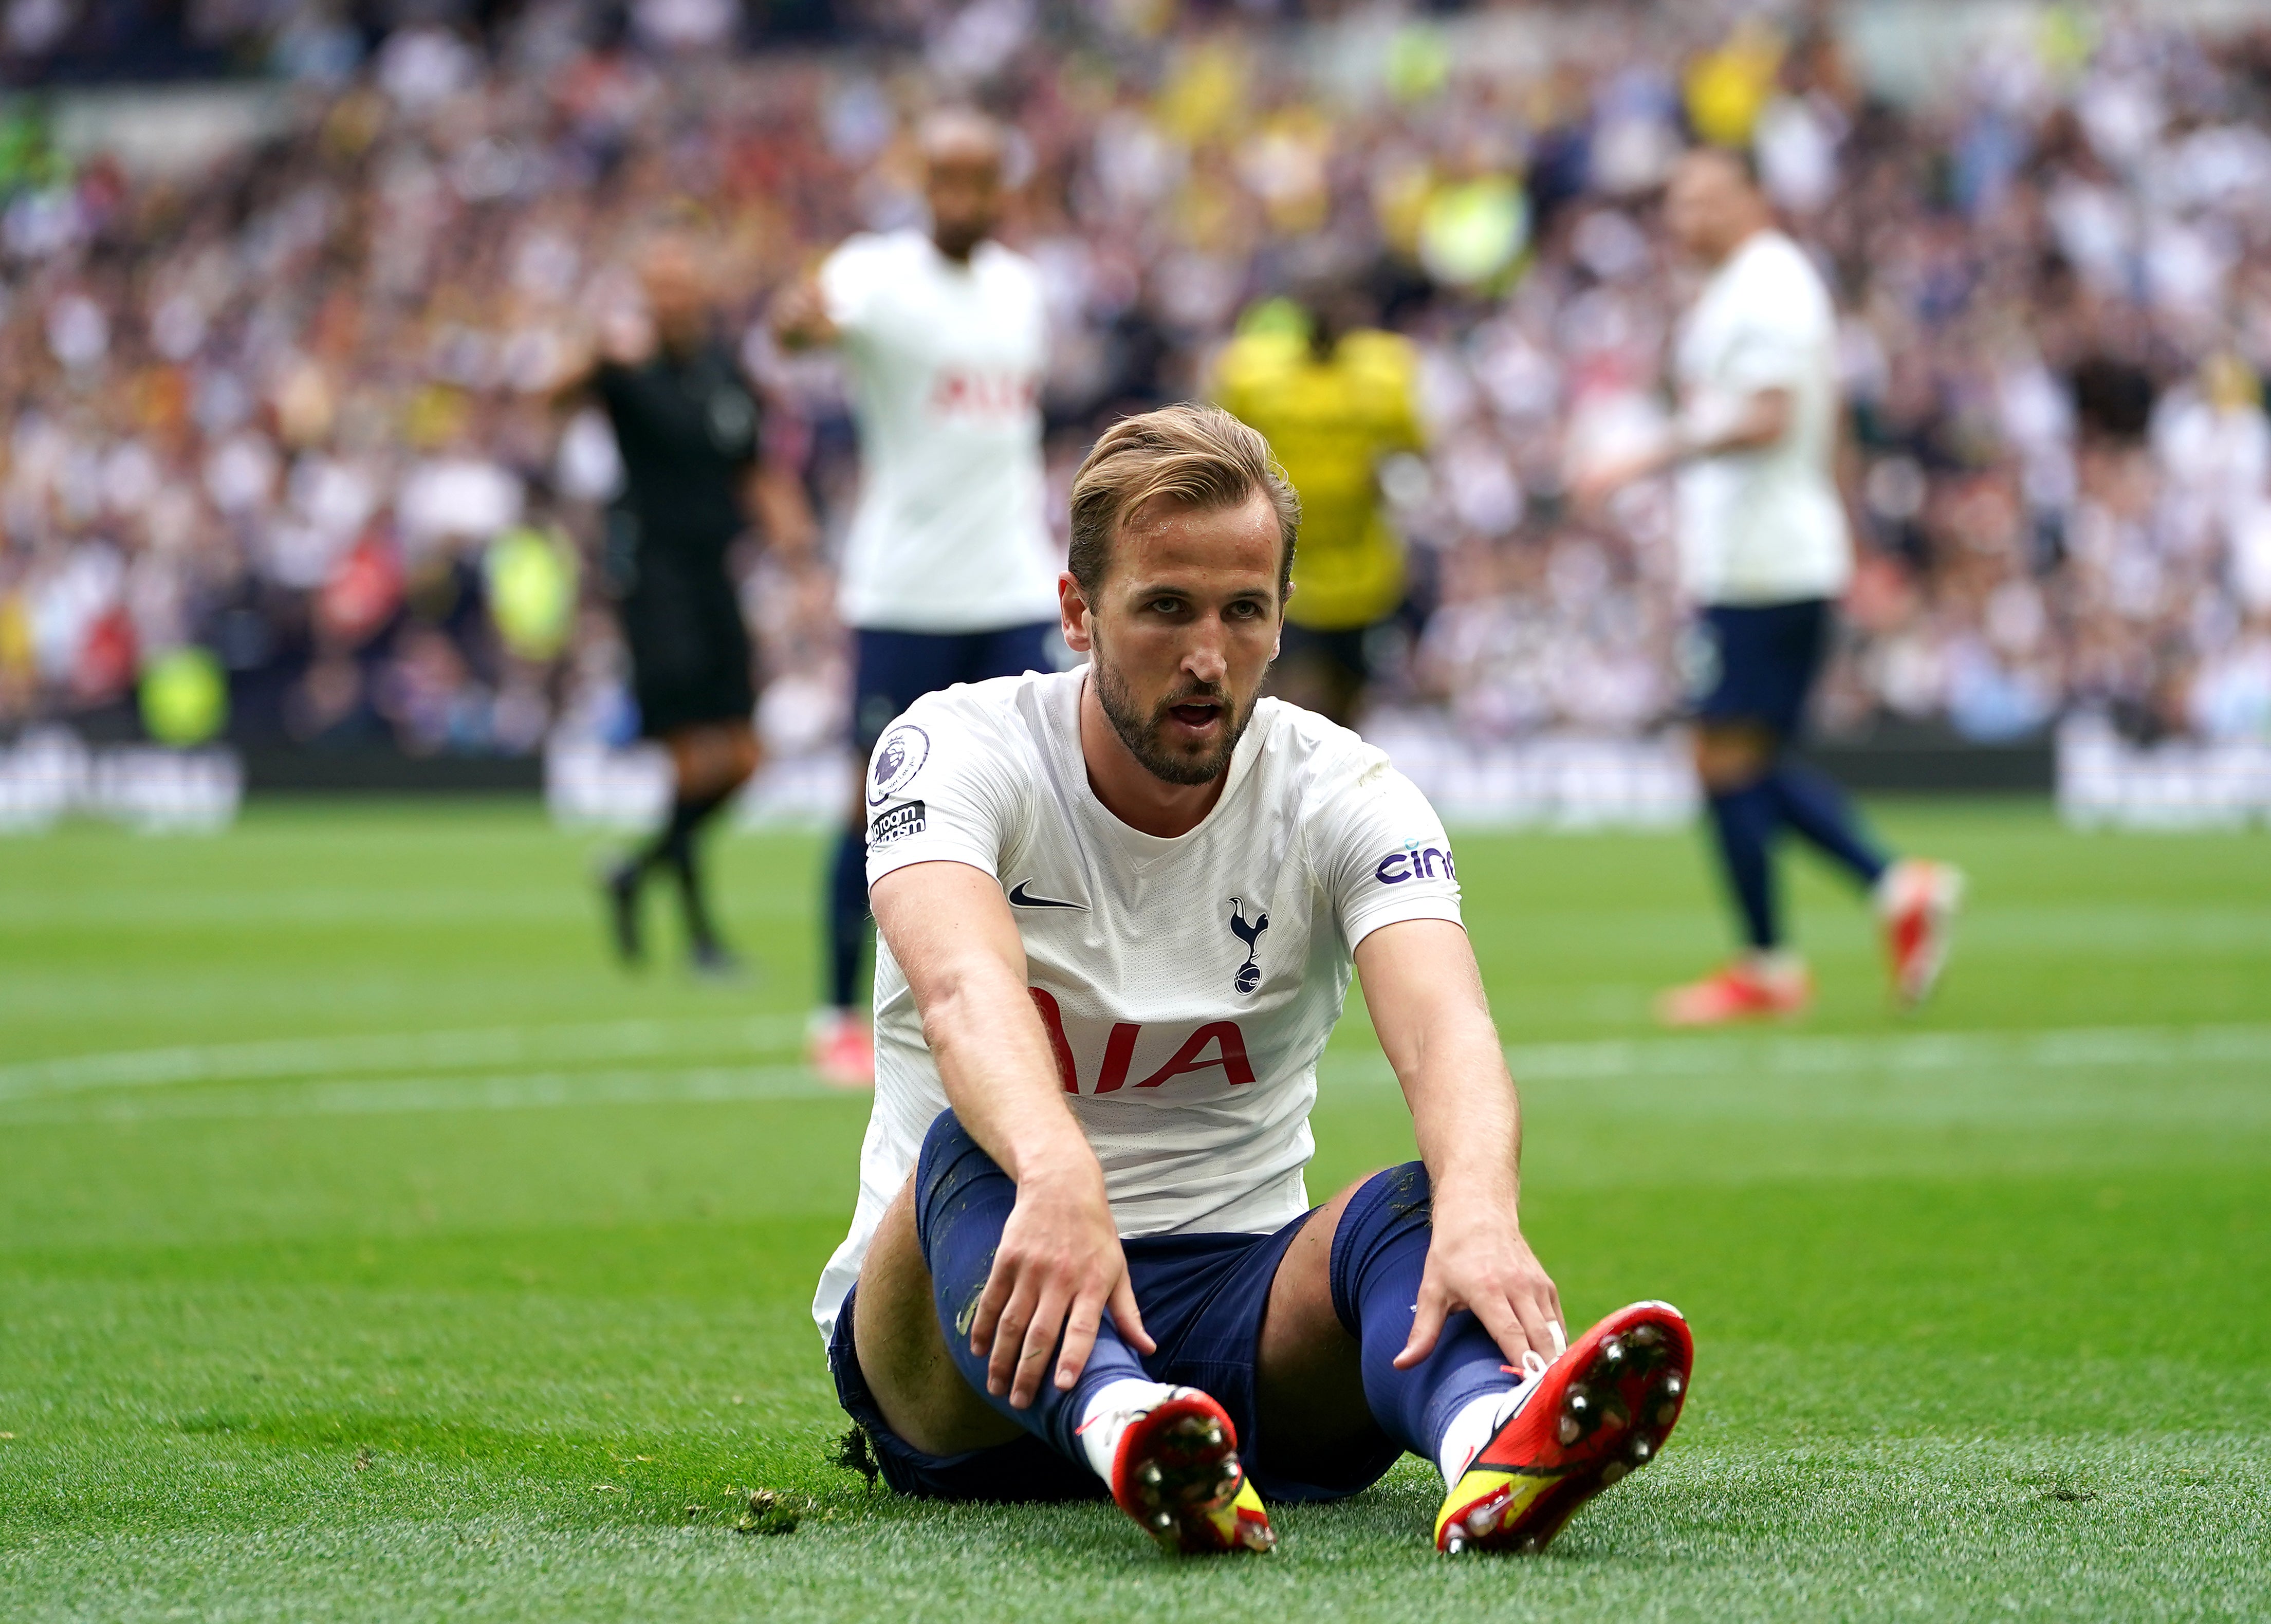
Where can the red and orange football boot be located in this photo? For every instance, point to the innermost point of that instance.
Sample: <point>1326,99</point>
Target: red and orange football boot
<point>840,1045</point>
<point>1917,899</point>
<point>1740,991</point>
<point>1177,1473</point>
<point>1600,1409</point>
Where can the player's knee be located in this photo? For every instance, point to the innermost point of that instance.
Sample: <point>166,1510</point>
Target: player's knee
<point>747,757</point>
<point>1729,759</point>
<point>945,1137</point>
<point>1391,1206</point>
<point>951,1165</point>
<point>1402,1196</point>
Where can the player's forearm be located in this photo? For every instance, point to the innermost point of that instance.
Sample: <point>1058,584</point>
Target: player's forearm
<point>1759,422</point>
<point>575,386</point>
<point>1009,1098</point>
<point>948,926</point>
<point>800,319</point>
<point>1001,1079</point>
<point>1467,1117</point>
<point>1425,994</point>
<point>777,497</point>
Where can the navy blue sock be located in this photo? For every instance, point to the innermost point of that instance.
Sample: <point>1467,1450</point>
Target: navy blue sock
<point>1818,809</point>
<point>1379,1253</point>
<point>1745,821</point>
<point>847,918</point>
<point>962,1200</point>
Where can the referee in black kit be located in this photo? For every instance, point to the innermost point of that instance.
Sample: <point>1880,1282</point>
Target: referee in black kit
<point>687,423</point>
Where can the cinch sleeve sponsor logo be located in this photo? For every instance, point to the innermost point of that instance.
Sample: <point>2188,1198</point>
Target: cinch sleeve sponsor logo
<point>1414,862</point>
<point>902,819</point>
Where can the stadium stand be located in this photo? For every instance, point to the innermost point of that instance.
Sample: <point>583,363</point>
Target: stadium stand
<point>290,406</point>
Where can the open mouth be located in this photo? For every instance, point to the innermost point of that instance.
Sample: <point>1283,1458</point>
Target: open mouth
<point>1197,713</point>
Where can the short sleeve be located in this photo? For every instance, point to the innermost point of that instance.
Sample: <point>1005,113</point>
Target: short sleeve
<point>944,786</point>
<point>1381,851</point>
<point>1389,369</point>
<point>1405,432</point>
<point>1767,355</point>
<point>1776,336</point>
<point>1232,370</point>
<point>849,281</point>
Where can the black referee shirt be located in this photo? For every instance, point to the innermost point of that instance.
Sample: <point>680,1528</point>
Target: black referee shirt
<point>687,427</point>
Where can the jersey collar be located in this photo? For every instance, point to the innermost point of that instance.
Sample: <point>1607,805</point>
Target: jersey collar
<point>1133,839</point>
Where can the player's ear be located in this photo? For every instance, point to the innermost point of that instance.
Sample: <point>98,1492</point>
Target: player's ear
<point>1072,613</point>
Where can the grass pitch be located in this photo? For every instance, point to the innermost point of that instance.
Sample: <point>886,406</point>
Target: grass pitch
<point>370,1249</point>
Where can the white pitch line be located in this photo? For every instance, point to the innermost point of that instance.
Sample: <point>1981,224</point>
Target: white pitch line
<point>531,1091</point>
<point>437,1051</point>
<point>2083,1047</point>
<point>1904,1052</point>
<point>1919,1055</point>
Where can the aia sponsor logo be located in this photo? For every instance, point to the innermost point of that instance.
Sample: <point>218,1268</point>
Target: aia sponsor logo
<point>1414,862</point>
<point>970,391</point>
<point>1215,1044</point>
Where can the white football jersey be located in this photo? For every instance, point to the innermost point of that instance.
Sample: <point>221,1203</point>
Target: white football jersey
<point>1764,525</point>
<point>946,362</point>
<point>1187,986</point>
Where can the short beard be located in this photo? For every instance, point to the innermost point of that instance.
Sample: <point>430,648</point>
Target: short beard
<point>958,242</point>
<point>1141,733</point>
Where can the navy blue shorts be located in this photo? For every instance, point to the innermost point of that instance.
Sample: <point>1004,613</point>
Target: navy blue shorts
<point>1756,663</point>
<point>893,669</point>
<point>1202,1298</point>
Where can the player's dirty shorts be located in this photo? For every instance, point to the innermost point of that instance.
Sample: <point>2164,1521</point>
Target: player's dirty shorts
<point>1756,662</point>
<point>1202,1298</point>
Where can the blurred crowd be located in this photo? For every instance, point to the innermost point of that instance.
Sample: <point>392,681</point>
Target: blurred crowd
<point>297,413</point>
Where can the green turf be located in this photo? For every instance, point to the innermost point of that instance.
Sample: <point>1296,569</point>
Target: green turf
<point>368,1249</point>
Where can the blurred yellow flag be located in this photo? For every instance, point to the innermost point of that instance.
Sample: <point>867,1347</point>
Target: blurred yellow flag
<point>184,697</point>
<point>1471,231</point>
<point>1205,92</point>
<point>531,576</point>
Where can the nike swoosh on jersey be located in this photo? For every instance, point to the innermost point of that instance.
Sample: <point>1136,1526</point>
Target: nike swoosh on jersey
<point>1019,898</point>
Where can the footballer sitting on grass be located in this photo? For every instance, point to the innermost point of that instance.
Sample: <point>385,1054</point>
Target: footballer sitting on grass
<point>1119,908</point>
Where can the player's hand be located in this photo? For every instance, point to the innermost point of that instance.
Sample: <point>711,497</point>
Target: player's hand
<point>1059,1269</point>
<point>1593,484</point>
<point>572,365</point>
<point>627,336</point>
<point>1483,1264</point>
<point>799,318</point>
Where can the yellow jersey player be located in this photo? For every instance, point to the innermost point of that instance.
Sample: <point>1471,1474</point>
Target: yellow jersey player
<point>1334,403</point>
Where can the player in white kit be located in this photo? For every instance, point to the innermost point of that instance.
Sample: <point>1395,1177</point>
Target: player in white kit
<point>949,573</point>
<point>1119,909</point>
<point>1763,551</point>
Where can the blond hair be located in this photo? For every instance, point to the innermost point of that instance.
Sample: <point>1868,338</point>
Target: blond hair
<point>1197,458</point>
